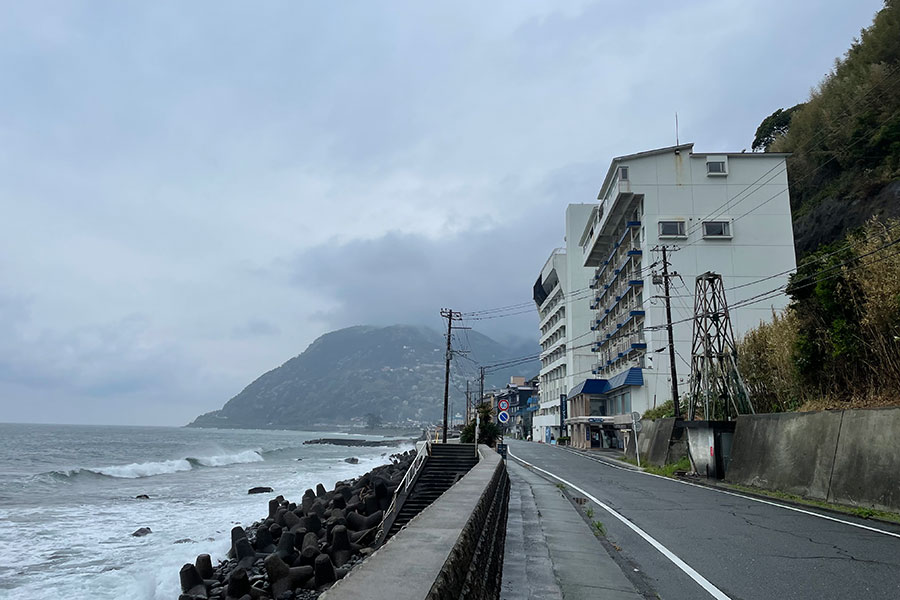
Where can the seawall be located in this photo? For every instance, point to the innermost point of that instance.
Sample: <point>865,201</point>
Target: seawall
<point>453,549</point>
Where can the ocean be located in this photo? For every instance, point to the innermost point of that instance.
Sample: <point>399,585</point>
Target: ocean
<point>68,501</point>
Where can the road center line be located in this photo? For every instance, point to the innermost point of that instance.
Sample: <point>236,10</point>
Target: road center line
<point>688,570</point>
<point>730,493</point>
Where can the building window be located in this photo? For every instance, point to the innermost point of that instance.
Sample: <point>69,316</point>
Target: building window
<point>716,229</point>
<point>716,167</point>
<point>623,173</point>
<point>671,229</point>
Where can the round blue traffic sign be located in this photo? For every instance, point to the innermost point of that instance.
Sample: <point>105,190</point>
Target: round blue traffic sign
<point>503,416</point>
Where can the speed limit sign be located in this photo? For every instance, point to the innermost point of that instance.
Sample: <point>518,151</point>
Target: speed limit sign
<point>503,404</point>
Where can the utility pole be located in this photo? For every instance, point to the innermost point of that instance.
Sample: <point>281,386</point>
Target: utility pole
<point>666,275</point>
<point>480,388</point>
<point>451,316</point>
<point>468,402</point>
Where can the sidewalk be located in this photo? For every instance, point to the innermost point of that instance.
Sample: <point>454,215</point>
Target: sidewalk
<point>550,551</point>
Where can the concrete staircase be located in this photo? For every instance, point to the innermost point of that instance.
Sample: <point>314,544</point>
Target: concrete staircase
<point>446,464</point>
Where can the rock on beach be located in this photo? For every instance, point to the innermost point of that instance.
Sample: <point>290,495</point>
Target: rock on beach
<point>299,549</point>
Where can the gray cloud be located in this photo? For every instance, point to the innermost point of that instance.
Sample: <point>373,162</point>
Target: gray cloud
<point>256,328</point>
<point>191,193</point>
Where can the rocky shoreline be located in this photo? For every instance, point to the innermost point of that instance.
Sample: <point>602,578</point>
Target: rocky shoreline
<point>299,550</point>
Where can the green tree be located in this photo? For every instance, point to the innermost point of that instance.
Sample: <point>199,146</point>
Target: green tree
<point>772,127</point>
<point>488,431</point>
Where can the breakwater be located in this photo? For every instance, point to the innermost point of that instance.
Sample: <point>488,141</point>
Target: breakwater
<point>300,549</point>
<point>353,442</point>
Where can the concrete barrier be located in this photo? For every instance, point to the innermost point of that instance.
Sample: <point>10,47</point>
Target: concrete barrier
<point>654,442</point>
<point>867,460</point>
<point>452,549</point>
<point>848,457</point>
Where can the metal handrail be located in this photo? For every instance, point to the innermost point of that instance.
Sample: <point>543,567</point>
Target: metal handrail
<point>405,485</point>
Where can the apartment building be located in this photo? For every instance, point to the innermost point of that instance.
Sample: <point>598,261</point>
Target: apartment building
<point>728,213</point>
<point>560,294</point>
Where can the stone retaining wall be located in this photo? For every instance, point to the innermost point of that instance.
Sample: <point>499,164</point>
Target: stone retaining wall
<point>453,549</point>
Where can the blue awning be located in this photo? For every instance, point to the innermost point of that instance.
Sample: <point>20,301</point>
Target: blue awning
<point>633,376</point>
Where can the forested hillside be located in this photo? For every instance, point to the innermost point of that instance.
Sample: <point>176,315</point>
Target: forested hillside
<point>374,374</point>
<point>838,344</point>
<point>845,140</point>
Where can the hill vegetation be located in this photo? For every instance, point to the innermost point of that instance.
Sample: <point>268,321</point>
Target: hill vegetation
<point>838,343</point>
<point>845,140</point>
<point>363,375</point>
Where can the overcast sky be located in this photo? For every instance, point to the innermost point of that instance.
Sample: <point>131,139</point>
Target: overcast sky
<point>192,192</point>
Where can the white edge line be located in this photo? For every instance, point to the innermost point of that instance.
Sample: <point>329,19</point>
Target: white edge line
<point>730,493</point>
<point>697,577</point>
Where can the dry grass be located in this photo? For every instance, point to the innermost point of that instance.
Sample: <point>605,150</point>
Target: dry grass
<point>862,364</point>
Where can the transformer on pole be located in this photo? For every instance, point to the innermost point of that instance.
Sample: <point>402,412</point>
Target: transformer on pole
<point>717,391</point>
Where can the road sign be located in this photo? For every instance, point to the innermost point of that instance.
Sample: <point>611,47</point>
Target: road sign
<point>638,426</point>
<point>503,416</point>
<point>501,450</point>
<point>503,404</point>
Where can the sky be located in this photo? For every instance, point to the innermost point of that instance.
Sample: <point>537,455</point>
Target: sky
<point>191,193</point>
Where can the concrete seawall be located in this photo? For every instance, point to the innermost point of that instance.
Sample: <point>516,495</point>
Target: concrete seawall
<point>454,548</point>
<point>846,457</point>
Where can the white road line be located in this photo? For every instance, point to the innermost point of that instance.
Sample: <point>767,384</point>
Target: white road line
<point>701,581</point>
<point>729,493</point>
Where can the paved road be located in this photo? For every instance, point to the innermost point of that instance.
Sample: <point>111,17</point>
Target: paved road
<point>745,550</point>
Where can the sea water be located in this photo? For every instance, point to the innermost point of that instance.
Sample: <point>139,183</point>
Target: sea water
<point>68,501</point>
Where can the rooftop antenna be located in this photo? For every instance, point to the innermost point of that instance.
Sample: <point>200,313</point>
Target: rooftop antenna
<point>676,129</point>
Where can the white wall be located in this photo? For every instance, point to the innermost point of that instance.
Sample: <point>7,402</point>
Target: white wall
<point>753,197</point>
<point>576,362</point>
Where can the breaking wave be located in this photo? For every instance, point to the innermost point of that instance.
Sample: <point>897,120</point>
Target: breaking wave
<point>149,469</point>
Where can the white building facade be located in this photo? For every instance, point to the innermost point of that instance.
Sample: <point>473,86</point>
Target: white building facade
<point>728,213</point>
<point>560,295</point>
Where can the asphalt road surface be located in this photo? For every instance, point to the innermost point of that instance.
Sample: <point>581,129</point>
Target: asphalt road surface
<point>688,542</point>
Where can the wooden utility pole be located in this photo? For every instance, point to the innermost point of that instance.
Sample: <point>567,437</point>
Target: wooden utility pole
<point>468,402</point>
<point>480,389</point>
<point>451,316</point>
<point>666,275</point>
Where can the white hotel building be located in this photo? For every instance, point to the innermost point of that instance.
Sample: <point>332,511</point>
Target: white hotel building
<point>561,294</point>
<point>728,213</point>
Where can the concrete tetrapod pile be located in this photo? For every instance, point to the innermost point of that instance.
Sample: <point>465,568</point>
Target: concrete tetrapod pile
<point>300,550</point>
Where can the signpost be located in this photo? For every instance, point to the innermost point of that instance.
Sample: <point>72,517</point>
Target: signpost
<point>501,450</point>
<point>636,426</point>
<point>503,416</point>
<point>503,404</point>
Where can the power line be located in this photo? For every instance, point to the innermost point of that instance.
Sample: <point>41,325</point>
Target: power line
<point>806,281</point>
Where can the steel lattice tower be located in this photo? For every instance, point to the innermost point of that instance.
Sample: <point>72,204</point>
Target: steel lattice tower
<point>717,390</point>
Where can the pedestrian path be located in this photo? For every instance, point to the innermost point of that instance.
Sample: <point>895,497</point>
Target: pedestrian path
<point>550,551</point>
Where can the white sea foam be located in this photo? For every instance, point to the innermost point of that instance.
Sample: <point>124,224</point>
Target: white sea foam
<point>149,469</point>
<point>248,456</point>
<point>135,470</point>
<point>80,543</point>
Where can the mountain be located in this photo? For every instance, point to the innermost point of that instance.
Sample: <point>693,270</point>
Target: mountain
<point>844,141</point>
<point>393,373</point>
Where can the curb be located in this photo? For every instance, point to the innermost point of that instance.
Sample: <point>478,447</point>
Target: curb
<point>794,503</point>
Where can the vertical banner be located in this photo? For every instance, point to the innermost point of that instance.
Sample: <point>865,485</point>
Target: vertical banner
<point>563,413</point>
